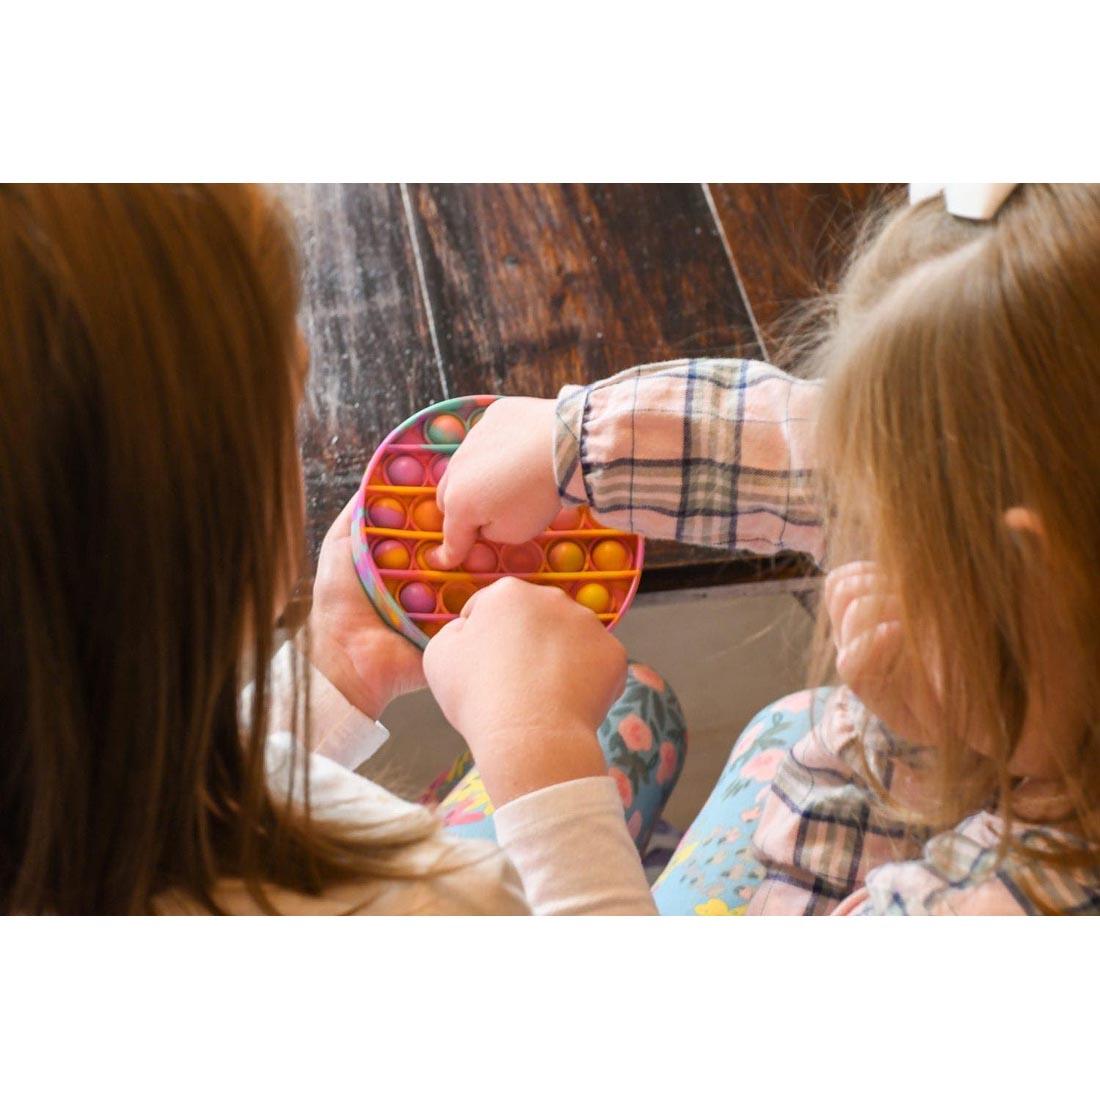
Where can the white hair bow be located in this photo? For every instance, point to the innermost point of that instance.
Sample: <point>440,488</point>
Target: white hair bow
<point>977,201</point>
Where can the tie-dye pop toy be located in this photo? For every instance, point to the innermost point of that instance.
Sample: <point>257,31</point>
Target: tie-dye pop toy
<point>397,521</point>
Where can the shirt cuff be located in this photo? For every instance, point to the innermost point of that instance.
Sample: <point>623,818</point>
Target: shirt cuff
<point>571,847</point>
<point>338,730</point>
<point>568,466</point>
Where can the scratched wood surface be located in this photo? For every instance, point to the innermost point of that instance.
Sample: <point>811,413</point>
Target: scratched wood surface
<point>789,242</point>
<point>412,294</point>
<point>533,287</point>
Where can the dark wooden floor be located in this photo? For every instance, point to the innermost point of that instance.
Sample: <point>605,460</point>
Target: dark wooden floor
<point>415,293</point>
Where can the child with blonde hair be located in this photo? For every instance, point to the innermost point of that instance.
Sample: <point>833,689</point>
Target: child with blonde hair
<point>946,456</point>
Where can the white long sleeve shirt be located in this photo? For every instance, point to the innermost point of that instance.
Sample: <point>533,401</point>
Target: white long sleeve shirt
<point>564,849</point>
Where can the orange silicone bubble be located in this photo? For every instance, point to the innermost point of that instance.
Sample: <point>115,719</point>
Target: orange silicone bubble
<point>455,595</point>
<point>427,516</point>
<point>594,596</point>
<point>609,555</point>
<point>565,557</point>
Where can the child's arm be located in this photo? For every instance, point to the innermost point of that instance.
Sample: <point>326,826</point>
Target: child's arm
<point>526,675</point>
<point>359,665</point>
<point>716,452</point>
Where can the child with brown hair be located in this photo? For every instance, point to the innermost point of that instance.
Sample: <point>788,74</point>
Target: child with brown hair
<point>151,519</point>
<point>948,459</point>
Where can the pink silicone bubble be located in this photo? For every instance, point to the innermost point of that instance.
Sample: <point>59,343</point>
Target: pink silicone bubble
<point>437,469</point>
<point>481,559</point>
<point>387,512</point>
<point>417,598</point>
<point>411,436</point>
<point>404,470</point>
<point>568,519</point>
<point>525,558</point>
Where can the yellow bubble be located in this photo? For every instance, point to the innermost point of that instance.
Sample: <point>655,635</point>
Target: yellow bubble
<point>594,596</point>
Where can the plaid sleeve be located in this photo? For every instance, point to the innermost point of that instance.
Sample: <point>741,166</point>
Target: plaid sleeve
<point>824,827</point>
<point>716,452</point>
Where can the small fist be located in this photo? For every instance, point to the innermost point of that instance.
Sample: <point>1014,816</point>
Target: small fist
<point>526,675</point>
<point>873,655</point>
<point>500,484</point>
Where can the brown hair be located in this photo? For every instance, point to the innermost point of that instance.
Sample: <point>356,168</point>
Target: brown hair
<point>963,379</point>
<point>150,520</point>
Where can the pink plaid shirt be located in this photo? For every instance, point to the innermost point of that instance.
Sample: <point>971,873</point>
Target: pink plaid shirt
<point>720,452</point>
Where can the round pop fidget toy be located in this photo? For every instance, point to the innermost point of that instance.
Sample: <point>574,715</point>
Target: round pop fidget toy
<point>397,522</point>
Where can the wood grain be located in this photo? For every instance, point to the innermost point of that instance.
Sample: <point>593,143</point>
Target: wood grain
<point>372,361</point>
<point>535,286</point>
<point>790,241</point>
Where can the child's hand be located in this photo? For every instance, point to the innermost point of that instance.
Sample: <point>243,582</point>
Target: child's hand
<point>368,662</point>
<point>872,657</point>
<point>526,675</point>
<point>500,484</point>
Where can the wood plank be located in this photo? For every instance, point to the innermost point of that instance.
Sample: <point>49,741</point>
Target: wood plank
<point>535,286</point>
<point>365,321</point>
<point>790,241</point>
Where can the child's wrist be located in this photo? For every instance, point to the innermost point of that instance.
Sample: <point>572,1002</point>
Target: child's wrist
<point>517,762</point>
<point>333,662</point>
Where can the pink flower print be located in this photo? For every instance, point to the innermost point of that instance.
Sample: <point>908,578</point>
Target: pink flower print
<point>626,791</point>
<point>636,735</point>
<point>666,769</point>
<point>645,675</point>
<point>634,824</point>
<point>751,815</point>
<point>746,741</point>
<point>732,835</point>
<point>762,767</point>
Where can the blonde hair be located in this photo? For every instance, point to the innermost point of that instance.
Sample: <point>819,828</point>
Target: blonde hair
<point>149,479</point>
<point>963,379</point>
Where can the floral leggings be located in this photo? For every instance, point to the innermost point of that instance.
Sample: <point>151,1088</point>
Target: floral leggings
<point>643,738</point>
<point>712,871</point>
